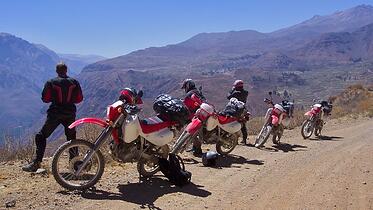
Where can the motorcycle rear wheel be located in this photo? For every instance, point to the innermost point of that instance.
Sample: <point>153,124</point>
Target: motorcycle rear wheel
<point>65,175</point>
<point>226,146</point>
<point>307,129</point>
<point>263,136</point>
<point>147,168</point>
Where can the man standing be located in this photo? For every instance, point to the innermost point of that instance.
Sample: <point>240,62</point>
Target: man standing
<point>190,89</point>
<point>241,94</point>
<point>63,93</point>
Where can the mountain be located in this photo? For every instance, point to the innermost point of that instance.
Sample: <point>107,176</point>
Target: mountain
<point>288,59</point>
<point>24,68</point>
<point>339,47</point>
<point>347,20</point>
<point>77,62</point>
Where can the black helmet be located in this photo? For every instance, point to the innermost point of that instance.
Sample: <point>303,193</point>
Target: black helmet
<point>188,85</point>
<point>209,158</point>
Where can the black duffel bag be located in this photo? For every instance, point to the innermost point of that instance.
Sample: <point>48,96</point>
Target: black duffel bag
<point>172,109</point>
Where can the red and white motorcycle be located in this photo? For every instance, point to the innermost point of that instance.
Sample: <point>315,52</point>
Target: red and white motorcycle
<point>79,164</point>
<point>315,121</point>
<point>276,118</point>
<point>224,130</point>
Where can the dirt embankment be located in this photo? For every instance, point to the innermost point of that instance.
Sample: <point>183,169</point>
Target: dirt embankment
<point>335,172</point>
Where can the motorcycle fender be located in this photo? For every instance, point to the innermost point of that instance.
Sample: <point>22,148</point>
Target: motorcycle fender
<point>275,120</point>
<point>160,138</point>
<point>88,120</point>
<point>309,113</point>
<point>211,123</point>
<point>232,127</point>
<point>194,126</point>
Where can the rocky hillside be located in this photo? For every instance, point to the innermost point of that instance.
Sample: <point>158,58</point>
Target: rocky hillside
<point>303,57</point>
<point>24,68</point>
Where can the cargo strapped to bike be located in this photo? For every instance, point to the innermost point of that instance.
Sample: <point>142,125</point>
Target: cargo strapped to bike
<point>171,109</point>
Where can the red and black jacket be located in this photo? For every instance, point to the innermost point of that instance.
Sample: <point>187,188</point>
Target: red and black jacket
<point>63,93</point>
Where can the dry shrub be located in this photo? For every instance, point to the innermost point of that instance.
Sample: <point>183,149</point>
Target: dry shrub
<point>16,149</point>
<point>90,133</point>
<point>355,100</point>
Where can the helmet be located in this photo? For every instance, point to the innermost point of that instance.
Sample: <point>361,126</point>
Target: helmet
<point>188,85</point>
<point>238,84</point>
<point>129,95</point>
<point>209,158</point>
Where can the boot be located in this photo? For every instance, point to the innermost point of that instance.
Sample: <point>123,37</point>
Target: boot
<point>32,167</point>
<point>197,151</point>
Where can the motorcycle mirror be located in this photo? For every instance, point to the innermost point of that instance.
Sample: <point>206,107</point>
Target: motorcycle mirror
<point>140,93</point>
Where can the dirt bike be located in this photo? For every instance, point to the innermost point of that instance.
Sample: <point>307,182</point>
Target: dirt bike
<point>223,130</point>
<point>315,121</point>
<point>143,141</point>
<point>277,117</point>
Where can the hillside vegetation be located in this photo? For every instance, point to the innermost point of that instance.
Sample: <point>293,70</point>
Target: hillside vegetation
<point>355,101</point>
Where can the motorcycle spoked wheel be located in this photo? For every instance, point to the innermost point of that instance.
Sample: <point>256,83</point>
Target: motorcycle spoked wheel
<point>227,145</point>
<point>263,136</point>
<point>277,136</point>
<point>318,129</point>
<point>307,129</point>
<point>147,167</point>
<point>67,159</point>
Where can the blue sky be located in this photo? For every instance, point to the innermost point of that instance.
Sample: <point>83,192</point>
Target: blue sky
<point>113,27</point>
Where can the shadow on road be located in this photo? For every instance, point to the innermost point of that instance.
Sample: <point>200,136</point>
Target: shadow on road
<point>285,147</point>
<point>327,138</point>
<point>229,160</point>
<point>145,193</point>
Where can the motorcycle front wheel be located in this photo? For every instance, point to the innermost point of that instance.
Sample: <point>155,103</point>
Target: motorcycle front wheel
<point>263,136</point>
<point>227,145</point>
<point>307,129</point>
<point>68,159</point>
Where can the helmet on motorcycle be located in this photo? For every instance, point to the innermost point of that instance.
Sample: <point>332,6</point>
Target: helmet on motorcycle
<point>188,84</point>
<point>129,95</point>
<point>209,158</point>
<point>238,84</point>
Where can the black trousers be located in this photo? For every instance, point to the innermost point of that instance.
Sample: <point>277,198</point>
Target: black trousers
<point>244,131</point>
<point>52,122</point>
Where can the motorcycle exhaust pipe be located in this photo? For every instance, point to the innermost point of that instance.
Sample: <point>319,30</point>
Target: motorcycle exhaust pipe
<point>180,142</point>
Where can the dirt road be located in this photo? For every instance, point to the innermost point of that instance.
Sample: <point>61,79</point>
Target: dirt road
<point>335,172</point>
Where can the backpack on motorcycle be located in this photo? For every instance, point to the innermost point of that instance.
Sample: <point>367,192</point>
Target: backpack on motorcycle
<point>326,107</point>
<point>234,108</point>
<point>174,170</point>
<point>171,108</point>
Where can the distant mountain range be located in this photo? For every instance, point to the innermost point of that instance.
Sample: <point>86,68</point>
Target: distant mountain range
<point>24,68</point>
<point>297,58</point>
<point>316,58</point>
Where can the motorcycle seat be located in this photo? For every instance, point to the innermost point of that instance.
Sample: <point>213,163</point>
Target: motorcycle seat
<point>226,119</point>
<point>153,124</point>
